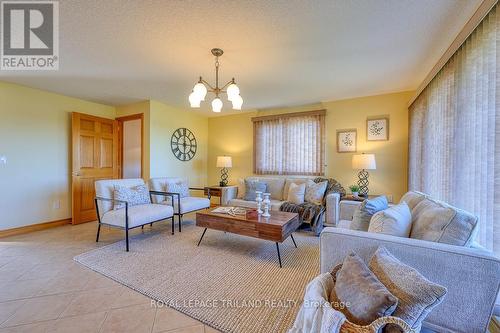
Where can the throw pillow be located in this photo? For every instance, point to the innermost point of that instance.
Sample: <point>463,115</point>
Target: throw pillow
<point>289,181</point>
<point>241,188</point>
<point>417,296</point>
<point>251,186</point>
<point>180,186</point>
<point>364,212</point>
<point>296,193</point>
<point>137,195</point>
<point>367,297</point>
<point>315,192</point>
<point>395,221</point>
<point>274,186</point>
<point>429,220</point>
<point>412,198</point>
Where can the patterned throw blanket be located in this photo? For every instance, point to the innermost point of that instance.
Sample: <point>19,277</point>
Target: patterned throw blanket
<point>312,212</point>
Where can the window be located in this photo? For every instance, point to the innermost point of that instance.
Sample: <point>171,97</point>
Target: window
<point>290,144</point>
<point>454,131</point>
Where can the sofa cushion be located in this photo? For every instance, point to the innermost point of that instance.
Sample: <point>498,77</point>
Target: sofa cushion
<point>357,286</point>
<point>412,198</point>
<point>252,186</point>
<point>364,212</point>
<point>275,187</point>
<point>289,181</point>
<point>417,296</point>
<point>138,215</point>
<point>395,221</point>
<point>275,204</point>
<point>296,193</point>
<point>315,192</point>
<point>135,195</point>
<point>188,204</point>
<point>437,221</point>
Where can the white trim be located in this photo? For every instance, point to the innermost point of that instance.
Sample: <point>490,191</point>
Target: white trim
<point>480,13</point>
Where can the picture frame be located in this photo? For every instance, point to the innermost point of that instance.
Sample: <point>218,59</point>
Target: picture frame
<point>347,140</point>
<point>377,128</point>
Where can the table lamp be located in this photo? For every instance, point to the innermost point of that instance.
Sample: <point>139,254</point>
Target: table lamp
<point>224,162</point>
<point>363,162</point>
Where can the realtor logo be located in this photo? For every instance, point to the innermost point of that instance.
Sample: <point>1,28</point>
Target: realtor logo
<point>30,35</point>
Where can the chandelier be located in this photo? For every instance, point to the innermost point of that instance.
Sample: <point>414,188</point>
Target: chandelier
<point>231,89</point>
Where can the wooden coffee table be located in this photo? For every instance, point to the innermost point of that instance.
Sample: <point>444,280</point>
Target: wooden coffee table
<point>276,228</point>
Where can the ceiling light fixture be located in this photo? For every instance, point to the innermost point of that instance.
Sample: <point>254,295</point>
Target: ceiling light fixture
<point>231,89</point>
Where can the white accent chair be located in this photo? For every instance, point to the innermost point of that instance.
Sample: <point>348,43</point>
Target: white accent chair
<point>186,204</point>
<point>129,217</point>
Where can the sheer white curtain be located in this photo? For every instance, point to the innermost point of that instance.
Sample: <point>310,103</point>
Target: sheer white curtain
<point>455,131</point>
<point>290,144</point>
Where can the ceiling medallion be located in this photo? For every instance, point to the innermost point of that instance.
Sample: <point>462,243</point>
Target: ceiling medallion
<point>231,89</point>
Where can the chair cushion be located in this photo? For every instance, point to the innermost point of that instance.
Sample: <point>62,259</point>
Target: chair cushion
<point>252,186</point>
<point>395,221</point>
<point>138,215</point>
<point>417,296</point>
<point>136,195</point>
<point>189,204</point>
<point>296,193</point>
<point>364,212</point>
<point>315,192</point>
<point>356,285</point>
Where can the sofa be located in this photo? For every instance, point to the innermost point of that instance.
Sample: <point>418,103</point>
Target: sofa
<point>469,272</point>
<point>278,188</point>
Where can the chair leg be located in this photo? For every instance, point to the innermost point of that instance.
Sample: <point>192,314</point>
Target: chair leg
<point>142,227</point>
<point>180,222</point>
<point>126,238</point>
<point>98,231</point>
<point>151,224</point>
<point>173,224</point>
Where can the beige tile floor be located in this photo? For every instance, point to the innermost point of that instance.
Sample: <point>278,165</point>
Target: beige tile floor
<point>43,290</point>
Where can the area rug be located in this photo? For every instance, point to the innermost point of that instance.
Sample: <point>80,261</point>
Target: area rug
<point>232,283</point>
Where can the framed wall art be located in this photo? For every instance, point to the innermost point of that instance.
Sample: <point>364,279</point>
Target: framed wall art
<point>377,128</point>
<point>347,140</point>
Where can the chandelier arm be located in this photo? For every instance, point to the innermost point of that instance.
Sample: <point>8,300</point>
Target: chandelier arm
<point>226,85</point>
<point>212,89</point>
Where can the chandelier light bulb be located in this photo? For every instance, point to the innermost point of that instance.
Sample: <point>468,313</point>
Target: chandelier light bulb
<point>232,91</point>
<point>200,90</point>
<point>194,100</point>
<point>217,104</point>
<point>237,102</point>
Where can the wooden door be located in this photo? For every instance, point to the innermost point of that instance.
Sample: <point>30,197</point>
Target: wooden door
<point>95,156</point>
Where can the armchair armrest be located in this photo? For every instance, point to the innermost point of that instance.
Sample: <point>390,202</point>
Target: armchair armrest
<point>166,194</point>
<point>97,199</point>
<point>471,276</point>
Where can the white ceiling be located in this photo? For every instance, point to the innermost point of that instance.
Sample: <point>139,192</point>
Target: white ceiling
<point>282,53</point>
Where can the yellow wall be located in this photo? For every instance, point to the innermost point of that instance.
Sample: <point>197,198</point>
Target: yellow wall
<point>233,135</point>
<point>164,121</point>
<point>35,128</point>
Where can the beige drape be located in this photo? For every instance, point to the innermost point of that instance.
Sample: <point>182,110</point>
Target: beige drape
<point>454,152</point>
<point>290,144</point>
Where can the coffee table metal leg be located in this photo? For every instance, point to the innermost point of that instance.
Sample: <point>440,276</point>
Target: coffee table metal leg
<point>203,234</point>
<point>279,257</point>
<point>293,240</point>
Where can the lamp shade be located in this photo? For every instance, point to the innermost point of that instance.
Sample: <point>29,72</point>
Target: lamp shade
<point>224,162</point>
<point>364,161</point>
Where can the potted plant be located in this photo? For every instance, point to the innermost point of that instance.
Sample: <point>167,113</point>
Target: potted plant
<point>354,190</point>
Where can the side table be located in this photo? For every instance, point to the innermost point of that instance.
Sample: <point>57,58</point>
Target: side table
<point>219,191</point>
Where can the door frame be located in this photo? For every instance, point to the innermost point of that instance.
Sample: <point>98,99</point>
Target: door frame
<point>121,120</point>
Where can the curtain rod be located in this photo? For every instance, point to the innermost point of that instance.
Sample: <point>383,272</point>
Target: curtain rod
<point>290,114</point>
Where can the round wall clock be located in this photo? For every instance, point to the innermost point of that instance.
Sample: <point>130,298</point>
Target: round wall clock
<point>183,143</point>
